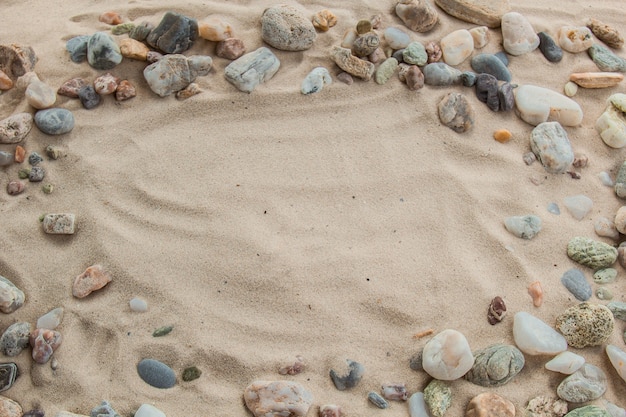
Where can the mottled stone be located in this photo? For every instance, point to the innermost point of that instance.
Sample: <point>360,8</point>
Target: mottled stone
<point>191,373</point>
<point>620,181</point>
<point>481,36</point>
<point>77,48</point>
<point>122,28</point>
<point>457,46</point>
<point>156,373</point>
<point>40,95</point>
<point>133,49</point>
<point>287,28</point>
<point>231,48</point>
<point>433,49</point>
<point>104,410</point>
<point>438,397</point>
<point>534,337</point>
<point>125,91</point>
<point>496,311</point>
<point>591,253</point>
<point>489,404</point>
<point>10,408</point>
<point>447,356</point>
<point>586,324</point>
<point>417,15</point>
<point>324,20</point>
<point>495,366</point>
<point>525,227</point>
<point>365,44</point>
<point>106,84</point>
<point>456,112</point>
<point>546,407</point>
<point>487,91</point>
<point>565,362</point>
<point>350,378</point>
<point>103,53</point>
<point>93,279</point>
<point>174,34</point>
<point>252,69</point>
<point>386,70</point>
<point>71,87</point>
<point>59,224</point>
<point>15,187</point>
<point>174,72</point>
<point>394,392</point>
<point>506,97</point>
<point>36,174</point>
<point>618,309</point>
<point>277,398</point>
<point>576,283</point>
<point>605,276</point>
<point>606,33</point>
<point>550,143</point>
<point>351,64</point>
<point>605,59</point>
<point>440,74</point>
<point>215,29</point>
<point>88,97</point>
<point>588,411</point>
<point>34,158</point>
<point>44,342</point>
<point>415,54</point>
<point>14,128</point>
<point>490,64</point>
<point>586,384</point>
<point>575,39</point>
<point>480,12</point>
<point>15,338</point>
<point>518,35</point>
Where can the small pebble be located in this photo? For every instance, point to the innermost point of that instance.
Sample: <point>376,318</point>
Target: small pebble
<point>15,128</point>
<point>481,36</point>
<point>138,305</point>
<point>529,158</point>
<point>191,90</point>
<point>605,179</point>
<point>447,356</point>
<point>496,310</point>
<point>88,96</point>
<point>606,33</point>
<point>538,104</point>
<point>162,331</point>
<point>490,64</point>
<point>546,407</point>
<point>53,152</point>
<point>15,187</point>
<point>495,365</point>
<point>580,160</point>
<point>588,411</point>
<point>40,95</point>
<point>490,404</point>
<point>6,158</point>
<point>156,374</point>
<point>565,362</point>
<point>146,410</point>
<point>324,20</point>
<point>438,397</point>
<point>125,91</point>
<point>419,16</point>
<point>535,290</point>
<point>44,342</point>
<point>110,18</point>
<point>350,379</point>
<point>618,359</point>
<point>396,38</point>
<point>525,227</point>
<point>506,97</point>
<point>331,410</point>
<point>553,208</point>
<point>605,276</point>
<point>287,28</point>
<point>394,392</point>
<point>549,48</point>
<point>487,91</point>
<point>604,227</point>
<point>231,48</point>
<point>315,81</point>
<point>415,54</point>
<point>36,174</point>
<point>23,173</point>
<point>133,49</point>
<point>6,83</point>
<point>104,410</point>
<point>570,89</point>
<point>34,158</point>
<point>191,373</point>
<point>518,35</point>
<point>93,279</point>
<point>605,59</point>
<point>604,293</point>
<point>293,369</point>
<point>214,29</point>
<point>457,46</point>
<point>345,78</point>
<point>385,71</point>
<point>71,87</point>
<point>586,384</point>
<point>51,319</point>
<point>469,78</point>
<point>77,47</point>
<point>578,205</point>
<point>122,28</point>
<point>433,49</point>
<point>456,112</point>
<point>441,74</point>
<point>377,400</point>
<point>365,44</point>
<point>47,188</point>
<point>103,53</point>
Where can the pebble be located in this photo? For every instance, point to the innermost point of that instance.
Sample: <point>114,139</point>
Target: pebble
<point>565,363</point>
<point>10,408</point>
<point>605,179</point>
<point>447,356</point>
<point>351,64</point>
<point>618,359</point>
<point>620,181</point>
<point>156,374</point>
<point>377,400</point>
<point>396,38</point>
<point>253,68</point>
<point>549,142</point>
<point>605,59</point>
<point>534,337</point>
<point>481,36</point>
<point>433,49</point>
<point>89,98</point>
<point>231,48</point>
<point>15,187</point>
<point>93,279</point>
<point>324,20</point>
<point>576,283</point>
<point>525,227</point>
<point>215,29</point>
<point>552,207</point>
<point>468,78</point>
<point>77,47</point>
<point>110,18</point>
<point>596,79</point>
<point>457,46</point>
<point>385,71</point>
<point>440,74</point>
<point>496,310</point>
<point>604,293</point>
<point>415,54</point>
<point>379,56</point>
<point>490,64</point>
<point>191,373</point>
<point>140,32</point>
<point>15,338</point>
<point>174,34</point>
<point>122,28</point>
<point>103,53</point>
<point>6,83</point>
<point>53,152</point>
<point>365,44</point>
<point>24,81</point>
<point>606,33</point>
<point>588,411</point>
<point>106,84</point>
<point>487,91</point>
<point>578,205</point>
<point>418,15</point>
<point>480,12</point>
<point>456,112</point>
<point>570,89</point>
<point>23,173</point>
<point>537,105</point>
<point>546,407</point>
<point>36,174</point>
<point>277,398</point>
<point>55,121</point>
<point>15,128</point>
<point>133,49</point>
<point>174,72</point>
<point>614,410</point>
<point>611,125</point>
<point>51,319</point>
<point>125,91</point>
<point>287,28</point>
<point>575,39</point>
<point>417,406</point>
<point>162,331</point>
<point>348,38</point>
<point>586,324</point>
<point>363,26</point>
<point>620,220</point>
<point>605,276</point>
<point>489,404</point>
<point>394,392</point>
<point>70,88</point>
<point>350,379</point>
<point>591,253</point>
<point>8,374</point>
<point>495,365</point>
<point>104,410</point>
<point>40,95</point>
<point>189,91</point>
<point>618,308</point>
<point>586,384</point>
<point>506,97</point>
<point>147,410</point>
<point>518,35</point>
<point>438,397</point>
<point>412,76</point>
<point>138,305</point>
<point>502,135</point>
<point>34,158</point>
<point>44,342</point>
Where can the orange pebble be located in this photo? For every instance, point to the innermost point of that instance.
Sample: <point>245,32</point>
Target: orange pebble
<point>110,18</point>
<point>5,82</point>
<point>502,135</point>
<point>20,154</point>
<point>536,292</point>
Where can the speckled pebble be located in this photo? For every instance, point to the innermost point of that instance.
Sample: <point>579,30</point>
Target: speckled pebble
<point>604,293</point>
<point>586,324</point>
<point>15,338</point>
<point>546,407</point>
<point>36,174</point>
<point>59,223</point>
<point>591,253</point>
<point>349,379</point>
<point>605,276</point>
<point>586,384</point>
<point>34,158</point>
<point>438,397</point>
<point>495,365</point>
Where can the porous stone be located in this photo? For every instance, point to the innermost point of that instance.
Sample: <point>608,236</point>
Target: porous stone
<point>525,227</point>
<point>537,105</point>
<point>586,324</point>
<point>518,35</point>
<point>447,356</point>
<point>440,74</point>
<point>44,342</point>
<point>481,36</point>
<point>156,373</point>
<point>94,278</point>
<point>277,398</point>
<point>231,48</point>
<point>611,125</point>
<point>534,337</point>
<point>490,64</point>
<point>550,143</point>
<point>174,34</point>
<point>487,91</point>
<point>588,411</point>
<point>418,15</point>
<point>396,38</point>
<point>480,12</point>
<point>606,33</point>
<point>605,59</point>
<point>351,64</point>
<point>549,48</point>
<point>71,87</point>
<point>575,282</point>
<point>591,253</point>
<point>133,49</point>
<point>15,128</point>
<point>287,28</point>
<point>565,362</point>
<point>495,365</point>
<point>365,44</point>
<point>350,378</point>
<point>215,29</point>
<point>15,338</point>
<point>457,46</point>
<point>17,60</point>
<point>489,404</point>
<point>174,72</point>
<point>578,205</point>
<point>543,406</point>
<point>59,224</point>
<point>618,359</point>
<point>456,112</point>
<point>586,384</point>
<point>40,95</point>
<point>438,397</point>
<point>103,53</point>
<point>88,97</point>
<point>106,84</point>
<point>415,54</point>
<point>385,70</point>
<point>252,69</point>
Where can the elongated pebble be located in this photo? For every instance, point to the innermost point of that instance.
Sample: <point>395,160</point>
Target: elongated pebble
<point>576,283</point>
<point>605,276</point>
<point>591,253</point>
<point>534,337</point>
<point>377,400</point>
<point>565,362</point>
<point>618,359</point>
<point>605,179</point>
<point>138,305</point>
<point>386,70</point>
<point>156,373</point>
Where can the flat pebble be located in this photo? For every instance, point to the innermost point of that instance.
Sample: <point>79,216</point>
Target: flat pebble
<point>55,121</point>
<point>495,365</point>
<point>377,400</point>
<point>483,12</point>
<point>447,356</point>
<point>565,363</point>
<point>538,104</point>
<point>588,411</point>
<point>438,397</point>
<point>174,34</point>
<point>489,404</point>
<point>604,227</point>
<point>518,35</point>
<point>138,305</point>
<point>578,205</point>
<point>618,359</point>
<point>576,283</point>
<point>490,64</point>
<point>456,112</point>
<point>441,74</point>
<point>605,59</point>
<point>156,373</point>
<point>252,69</point>
<point>59,224</point>
<point>457,46</point>
<point>51,319</point>
<point>586,384</point>
<point>605,276</point>
<point>586,324</point>
<point>590,253</point>
<point>525,227</point>
<point>287,28</point>
<point>15,338</point>
<point>396,38</point>
<point>40,95</point>
<point>148,410</point>
<point>575,39</point>
<point>277,398</point>
<point>534,337</point>
<point>419,16</point>
<point>349,379</point>
<point>92,279</point>
<point>103,53</point>
<point>549,141</point>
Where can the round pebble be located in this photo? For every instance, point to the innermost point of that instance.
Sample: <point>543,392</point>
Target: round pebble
<point>489,404</point>
<point>55,121</point>
<point>156,374</point>
<point>447,356</point>
<point>15,187</point>
<point>138,305</point>
<point>604,293</point>
<point>396,38</point>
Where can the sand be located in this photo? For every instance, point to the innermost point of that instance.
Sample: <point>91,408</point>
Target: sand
<point>268,225</point>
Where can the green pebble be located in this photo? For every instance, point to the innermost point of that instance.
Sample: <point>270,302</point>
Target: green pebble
<point>604,293</point>
<point>605,276</point>
<point>191,373</point>
<point>23,173</point>
<point>605,59</point>
<point>162,331</point>
<point>591,253</point>
<point>41,217</point>
<point>438,397</point>
<point>47,188</point>
<point>122,29</point>
<point>386,70</point>
<point>588,411</point>
<point>618,308</point>
<point>53,152</point>
<point>415,54</point>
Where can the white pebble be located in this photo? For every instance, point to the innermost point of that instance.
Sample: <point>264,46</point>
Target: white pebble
<point>606,228</point>
<point>147,410</point>
<point>566,363</point>
<point>618,359</point>
<point>51,319</point>
<point>139,305</point>
<point>447,356</point>
<point>417,406</point>
<point>315,81</point>
<point>578,205</point>
<point>606,179</point>
<point>534,337</point>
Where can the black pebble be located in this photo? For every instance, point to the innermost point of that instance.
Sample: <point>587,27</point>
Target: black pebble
<point>487,91</point>
<point>549,48</point>
<point>88,97</point>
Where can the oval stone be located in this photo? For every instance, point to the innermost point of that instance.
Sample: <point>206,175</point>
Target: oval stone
<point>566,363</point>
<point>490,64</point>
<point>538,104</point>
<point>457,46</point>
<point>535,337</point>
<point>591,253</point>
<point>277,398</point>
<point>576,283</point>
<point>589,411</point>
<point>618,360</point>
<point>586,324</point>
<point>15,338</point>
<point>586,384</point>
<point>156,373</point>
<point>396,38</point>
<point>518,35</point>
<point>525,227</point>
<point>55,121</point>
<point>441,74</point>
<point>438,397</point>
<point>287,28</point>
<point>14,128</point>
<point>575,39</point>
<point>550,143</point>
<point>447,356</point>
<point>11,297</point>
<point>495,366</point>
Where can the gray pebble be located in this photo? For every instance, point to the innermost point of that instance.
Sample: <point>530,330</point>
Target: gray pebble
<point>415,362</point>
<point>549,141</point>
<point>104,410</point>
<point>605,276</point>
<point>490,64</point>
<point>252,69</point>
<point>55,121</point>
<point>349,380</point>
<point>495,366</point>
<point>525,227</point>
<point>456,112</point>
<point>553,208</point>
<point>618,308</point>
<point>549,48</point>
<point>586,384</point>
<point>605,59</point>
<point>502,56</point>
<point>174,34</point>
<point>398,55</point>
<point>487,91</point>
<point>576,283</point>
<point>506,97</point>
<point>287,28</point>
<point>15,338</point>
<point>468,78</point>
<point>440,74</point>
<point>103,53</point>
<point>88,97</point>
<point>77,47</point>
<point>34,158</point>
<point>156,374</point>
<point>620,181</point>
<point>6,158</point>
<point>377,400</point>
<point>36,174</point>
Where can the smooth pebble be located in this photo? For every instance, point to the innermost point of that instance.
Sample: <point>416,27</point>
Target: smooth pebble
<point>576,283</point>
<point>578,205</point>
<point>138,305</point>
<point>277,398</point>
<point>586,384</point>
<point>156,373</point>
<point>51,319</point>
<point>287,28</point>
<point>447,356</point>
<point>518,35</point>
<point>534,337</point>
<point>55,121</point>
<point>549,142</point>
<point>148,410</point>
<point>525,227</point>
<point>565,363</point>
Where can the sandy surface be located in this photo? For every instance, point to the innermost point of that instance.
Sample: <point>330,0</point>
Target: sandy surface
<point>268,225</point>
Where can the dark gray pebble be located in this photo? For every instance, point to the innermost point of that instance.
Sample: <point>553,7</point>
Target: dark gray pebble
<point>506,97</point>
<point>490,64</point>
<point>398,55</point>
<point>141,32</point>
<point>576,283</point>
<point>156,374</point>
<point>349,380</point>
<point>34,413</point>
<point>54,121</point>
<point>77,47</point>
<point>415,362</point>
<point>15,338</point>
<point>377,400</point>
<point>502,56</point>
<point>468,78</point>
<point>34,158</point>
<point>103,53</point>
<point>36,174</point>
<point>8,373</point>
<point>549,47</point>
<point>88,97</point>
<point>174,34</point>
<point>487,91</point>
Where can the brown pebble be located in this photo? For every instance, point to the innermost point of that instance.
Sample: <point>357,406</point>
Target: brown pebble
<point>606,33</point>
<point>580,161</point>
<point>20,154</point>
<point>294,369</point>
<point>106,84</point>
<point>94,278</point>
<point>536,292</point>
<point>324,20</point>
<point>363,26</point>
<point>70,87</point>
<point>125,90</point>
<point>231,48</point>
<point>345,78</point>
<point>15,187</point>
<point>502,135</point>
<point>414,78</point>
<point>133,49</point>
<point>596,79</point>
<point>423,333</point>
<point>497,310</point>
<point>489,404</point>
<point>110,18</point>
<point>5,82</point>
<point>433,50</point>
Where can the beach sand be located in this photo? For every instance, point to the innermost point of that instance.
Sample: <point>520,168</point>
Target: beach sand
<point>268,225</point>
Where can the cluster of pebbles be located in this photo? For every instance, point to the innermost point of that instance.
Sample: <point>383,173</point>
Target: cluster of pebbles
<point>368,51</point>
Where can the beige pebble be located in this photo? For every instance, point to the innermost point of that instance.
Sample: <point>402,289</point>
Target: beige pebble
<point>535,290</point>
<point>489,404</point>
<point>110,18</point>
<point>606,33</point>
<point>481,36</point>
<point>620,220</point>
<point>215,29</point>
<point>133,49</point>
<point>40,95</point>
<point>191,90</point>
<point>125,90</point>
<point>575,39</point>
<point>596,79</point>
<point>93,279</point>
<point>351,64</point>
<point>9,408</point>
<point>570,89</point>
<point>324,20</point>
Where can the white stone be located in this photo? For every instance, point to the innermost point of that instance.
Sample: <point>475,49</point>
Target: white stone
<point>566,363</point>
<point>396,38</point>
<point>518,35</point>
<point>417,406</point>
<point>348,38</point>
<point>40,95</point>
<point>447,356</point>
<point>534,337</point>
<point>525,227</point>
<point>480,36</point>
<point>604,227</point>
<point>549,142</point>
<point>578,205</point>
<point>315,81</point>
<point>138,305</point>
<point>611,125</point>
<point>614,410</point>
<point>457,46</point>
<point>147,410</point>
<point>278,398</point>
<point>606,179</point>
<point>51,319</point>
<point>538,104</point>
<point>575,39</point>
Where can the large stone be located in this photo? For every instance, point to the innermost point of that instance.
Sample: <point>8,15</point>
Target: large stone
<point>277,398</point>
<point>534,337</point>
<point>16,60</point>
<point>456,112</point>
<point>447,356</point>
<point>11,297</point>
<point>351,64</point>
<point>287,28</point>
<point>103,53</point>
<point>549,142</point>
<point>174,72</point>
<point>538,104</point>
<point>174,34</point>
<point>518,36</point>
<point>252,69</point>
<point>14,128</point>
<point>457,46</point>
<point>586,384</point>
<point>586,324</point>
<point>591,253</point>
<point>495,366</point>
<point>417,15</point>
<point>480,12</point>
